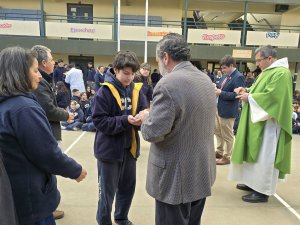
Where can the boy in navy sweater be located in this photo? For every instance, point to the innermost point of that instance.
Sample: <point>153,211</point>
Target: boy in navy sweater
<point>117,142</point>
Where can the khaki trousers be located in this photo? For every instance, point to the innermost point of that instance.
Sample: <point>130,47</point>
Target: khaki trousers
<point>224,135</point>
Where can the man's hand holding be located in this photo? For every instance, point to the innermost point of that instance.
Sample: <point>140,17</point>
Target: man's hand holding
<point>218,91</point>
<point>143,114</point>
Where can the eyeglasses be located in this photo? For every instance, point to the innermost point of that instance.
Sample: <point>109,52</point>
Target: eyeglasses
<point>259,60</point>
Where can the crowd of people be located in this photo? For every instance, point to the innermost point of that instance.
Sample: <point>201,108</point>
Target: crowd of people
<point>75,91</point>
<point>296,112</point>
<point>179,115</point>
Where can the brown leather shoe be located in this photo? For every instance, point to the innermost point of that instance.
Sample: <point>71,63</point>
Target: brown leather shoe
<point>58,214</point>
<point>218,155</point>
<point>223,161</point>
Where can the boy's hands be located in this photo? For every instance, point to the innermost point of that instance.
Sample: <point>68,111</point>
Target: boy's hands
<point>134,120</point>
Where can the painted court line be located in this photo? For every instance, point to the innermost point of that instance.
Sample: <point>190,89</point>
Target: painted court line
<point>293,211</point>
<point>287,206</point>
<point>74,143</point>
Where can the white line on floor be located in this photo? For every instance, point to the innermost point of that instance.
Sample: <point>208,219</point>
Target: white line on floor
<point>74,143</point>
<point>287,206</point>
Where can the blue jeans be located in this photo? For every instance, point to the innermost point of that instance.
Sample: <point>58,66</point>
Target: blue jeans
<point>116,179</point>
<point>70,126</point>
<point>46,221</point>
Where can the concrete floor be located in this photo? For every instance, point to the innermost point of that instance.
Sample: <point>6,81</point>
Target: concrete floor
<point>224,207</point>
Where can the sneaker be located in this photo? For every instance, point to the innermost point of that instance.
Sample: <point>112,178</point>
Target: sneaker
<point>75,128</point>
<point>58,214</point>
<point>123,222</point>
<point>63,127</point>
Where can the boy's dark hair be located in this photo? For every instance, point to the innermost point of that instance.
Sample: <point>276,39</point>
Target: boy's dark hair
<point>126,59</point>
<point>227,60</point>
<point>74,90</point>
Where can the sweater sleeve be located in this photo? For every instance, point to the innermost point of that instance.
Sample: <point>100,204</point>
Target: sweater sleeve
<point>39,145</point>
<point>104,118</point>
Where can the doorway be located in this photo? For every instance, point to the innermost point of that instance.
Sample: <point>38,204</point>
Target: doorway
<point>80,13</point>
<point>81,63</point>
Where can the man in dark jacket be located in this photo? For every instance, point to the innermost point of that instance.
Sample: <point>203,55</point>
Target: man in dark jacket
<point>90,80</point>
<point>99,77</point>
<point>58,73</point>
<point>117,141</point>
<point>227,109</point>
<point>46,97</point>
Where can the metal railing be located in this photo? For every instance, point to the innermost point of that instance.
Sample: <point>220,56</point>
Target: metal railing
<point>151,22</point>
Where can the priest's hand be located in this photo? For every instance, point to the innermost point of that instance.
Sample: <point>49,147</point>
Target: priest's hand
<point>243,97</point>
<point>240,90</point>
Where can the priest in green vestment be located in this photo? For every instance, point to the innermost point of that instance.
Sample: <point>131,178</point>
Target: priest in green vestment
<point>262,150</point>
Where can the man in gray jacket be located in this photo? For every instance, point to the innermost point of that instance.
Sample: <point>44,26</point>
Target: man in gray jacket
<point>180,127</point>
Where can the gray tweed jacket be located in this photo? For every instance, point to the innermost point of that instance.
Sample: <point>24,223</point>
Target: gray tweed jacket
<point>180,127</point>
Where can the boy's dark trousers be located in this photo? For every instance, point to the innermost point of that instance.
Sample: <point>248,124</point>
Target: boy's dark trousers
<point>115,178</point>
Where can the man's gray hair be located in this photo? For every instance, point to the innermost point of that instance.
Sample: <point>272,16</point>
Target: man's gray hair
<point>41,52</point>
<point>175,46</point>
<point>266,51</point>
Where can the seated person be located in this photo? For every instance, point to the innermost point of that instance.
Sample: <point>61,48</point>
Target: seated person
<point>84,103</point>
<point>89,125</point>
<point>296,120</point>
<point>78,117</point>
<point>75,95</point>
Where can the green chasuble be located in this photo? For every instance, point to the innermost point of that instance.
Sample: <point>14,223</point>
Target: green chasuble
<point>273,93</point>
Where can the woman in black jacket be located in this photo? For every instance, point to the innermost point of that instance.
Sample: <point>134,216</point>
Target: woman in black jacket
<point>143,76</point>
<point>63,98</point>
<point>31,155</point>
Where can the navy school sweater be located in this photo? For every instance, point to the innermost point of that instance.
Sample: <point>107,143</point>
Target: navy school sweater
<point>113,133</point>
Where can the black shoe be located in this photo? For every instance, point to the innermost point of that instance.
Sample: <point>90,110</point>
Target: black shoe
<point>123,222</point>
<point>243,187</point>
<point>255,197</point>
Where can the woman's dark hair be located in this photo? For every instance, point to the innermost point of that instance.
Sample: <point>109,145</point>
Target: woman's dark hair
<point>15,63</point>
<point>126,59</point>
<point>61,87</point>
